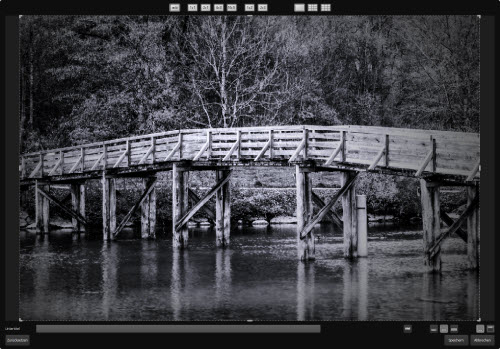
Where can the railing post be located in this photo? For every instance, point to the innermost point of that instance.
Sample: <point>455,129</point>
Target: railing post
<point>180,145</point>
<point>180,201</point>
<point>349,218</point>
<point>305,134</point>
<point>433,140</point>
<point>431,222</point>
<point>386,150</point>
<point>128,153</point>
<point>82,153</point>
<point>238,140</point>
<point>344,143</point>
<point>23,167</point>
<point>271,152</point>
<point>61,156</point>
<point>105,158</point>
<point>209,141</point>
<point>153,144</point>
<point>41,162</point>
<point>473,229</point>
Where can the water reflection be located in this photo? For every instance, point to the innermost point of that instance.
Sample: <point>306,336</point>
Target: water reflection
<point>74,276</point>
<point>222,275</point>
<point>305,291</point>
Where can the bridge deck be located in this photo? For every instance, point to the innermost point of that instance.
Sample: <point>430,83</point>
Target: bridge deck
<point>407,152</point>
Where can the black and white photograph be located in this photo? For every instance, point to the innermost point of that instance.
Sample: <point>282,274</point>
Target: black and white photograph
<point>207,168</point>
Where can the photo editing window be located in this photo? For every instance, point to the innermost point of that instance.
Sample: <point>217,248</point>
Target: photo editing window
<point>299,172</point>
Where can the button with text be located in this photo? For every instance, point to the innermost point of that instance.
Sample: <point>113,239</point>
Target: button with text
<point>457,340</point>
<point>17,340</point>
<point>407,328</point>
<point>482,340</point>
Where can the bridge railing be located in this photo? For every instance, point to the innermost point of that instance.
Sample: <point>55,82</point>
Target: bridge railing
<point>444,152</point>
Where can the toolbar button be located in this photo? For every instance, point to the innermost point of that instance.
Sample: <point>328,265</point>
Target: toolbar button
<point>205,7</point>
<point>326,7</point>
<point>434,329</point>
<point>262,7</point>
<point>175,7</point>
<point>443,328</point>
<point>231,7</point>
<point>312,7</point>
<point>453,328</point>
<point>407,328</point>
<point>249,7</point>
<point>299,7</point>
<point>479,328</point>
<point>192,7</point>
<point>218,7</point>
<point>490,328</point>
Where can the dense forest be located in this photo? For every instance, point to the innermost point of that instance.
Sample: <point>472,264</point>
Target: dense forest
<point>91,78</point>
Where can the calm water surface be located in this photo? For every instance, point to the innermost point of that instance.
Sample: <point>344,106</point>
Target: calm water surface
<point>68,276</point>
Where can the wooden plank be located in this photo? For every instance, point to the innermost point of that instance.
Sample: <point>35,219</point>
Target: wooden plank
<point>71,213</point>
<point>319,216</point>
<point>134,208</point>
<point>188,215</point>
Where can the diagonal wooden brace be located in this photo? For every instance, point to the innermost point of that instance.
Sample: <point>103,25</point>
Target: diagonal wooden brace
<point>72,213</point>
<point>134,208</point>
<point>332,215</point>
<point>202,202</point>
<point>454,227</point>
<point>309,227</point>
<point>206,208</point>
<point>449,222</point>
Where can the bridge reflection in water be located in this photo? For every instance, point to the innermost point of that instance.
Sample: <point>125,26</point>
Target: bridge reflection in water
<point>258,277</point>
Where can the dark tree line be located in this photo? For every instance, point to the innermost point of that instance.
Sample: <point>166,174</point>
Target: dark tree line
<point>90,78</point>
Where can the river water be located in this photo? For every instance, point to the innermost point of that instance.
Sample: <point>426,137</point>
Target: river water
<point>68,276</point>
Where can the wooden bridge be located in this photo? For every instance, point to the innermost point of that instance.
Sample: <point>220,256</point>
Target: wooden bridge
<point>437,158</point>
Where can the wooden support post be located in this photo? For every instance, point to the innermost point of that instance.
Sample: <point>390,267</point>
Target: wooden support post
<point>148,211</point>
<point>349,218</point>
<point>305,246</point>
<point>473,230</point>
<point>108,207</point>
<point>38,208</point>
<point>82,204</point>
<point>431,222</point>
<point>222,211</point>
<point>362,225</point>
<point>75,203</point>
<point>180,202</point>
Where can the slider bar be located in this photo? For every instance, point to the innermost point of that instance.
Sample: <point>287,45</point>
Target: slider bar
<point>178,328</point>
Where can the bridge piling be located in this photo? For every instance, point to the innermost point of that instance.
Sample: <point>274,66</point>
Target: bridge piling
<point>180,202</point>
<point>473,230</point>
<point>305,246</point>
<point>78,204</point>
<point>148,212</point>
<point>349,217</point>
<point>108,207</point>
<point>222,211</point>
<point>42,208</point>
<point>431,222</point>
